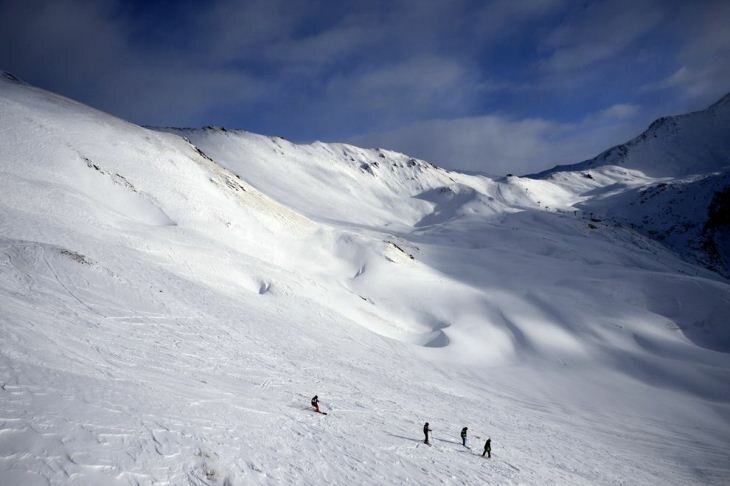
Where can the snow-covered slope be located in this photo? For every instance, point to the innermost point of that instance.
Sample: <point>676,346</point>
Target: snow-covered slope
<point>352,186</point>
<point>687,215</point>
<point>168,308</point>
<point>663,184</point>
<point>329,179</point>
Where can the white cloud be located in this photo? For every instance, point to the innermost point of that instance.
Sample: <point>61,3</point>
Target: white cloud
<point>618,111</point>
<point>413,87</point>
<point>500,145</point>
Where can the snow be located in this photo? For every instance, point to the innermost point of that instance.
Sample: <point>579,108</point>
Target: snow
<point>662,184</point>
<point>169,307</point>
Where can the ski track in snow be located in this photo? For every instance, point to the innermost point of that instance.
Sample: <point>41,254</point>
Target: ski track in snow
<point>166,318</point>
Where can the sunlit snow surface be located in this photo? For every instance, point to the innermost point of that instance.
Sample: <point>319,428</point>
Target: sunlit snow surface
<point>168,307</point>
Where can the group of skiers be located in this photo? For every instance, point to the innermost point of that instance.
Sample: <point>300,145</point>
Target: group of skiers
<point>487,445</point>
<point>426,430</point>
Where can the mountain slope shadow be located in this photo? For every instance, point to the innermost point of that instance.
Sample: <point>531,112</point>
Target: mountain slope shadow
<point>447,203</point>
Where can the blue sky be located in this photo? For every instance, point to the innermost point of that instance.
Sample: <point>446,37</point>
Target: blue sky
<point>497,86</point>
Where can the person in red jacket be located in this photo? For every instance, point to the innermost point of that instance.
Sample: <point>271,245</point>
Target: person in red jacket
<point>315,403</point>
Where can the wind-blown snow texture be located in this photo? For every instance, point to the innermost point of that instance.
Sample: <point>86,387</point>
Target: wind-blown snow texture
<point>169,305</point>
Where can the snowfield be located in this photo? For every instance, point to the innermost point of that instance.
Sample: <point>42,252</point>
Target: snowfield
<point>170,300</point>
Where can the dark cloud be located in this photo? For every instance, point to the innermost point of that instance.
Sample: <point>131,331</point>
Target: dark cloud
<point>61,42</point>
<point>596,33</point>
<point>85,50</point>
<point>528,83</point>
<point>703,61</point>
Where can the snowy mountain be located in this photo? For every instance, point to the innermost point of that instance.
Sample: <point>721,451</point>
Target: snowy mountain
<point>170,300</point>
<point>672,146</point>
<point>669,183</point>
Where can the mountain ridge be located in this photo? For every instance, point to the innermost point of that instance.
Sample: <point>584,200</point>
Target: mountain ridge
<point>666,126</point>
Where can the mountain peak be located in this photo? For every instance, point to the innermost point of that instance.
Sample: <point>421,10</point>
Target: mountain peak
<point>681,145</point>
<point>722,103</point>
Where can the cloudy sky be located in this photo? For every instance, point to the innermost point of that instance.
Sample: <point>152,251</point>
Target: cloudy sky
<point>496,86</point>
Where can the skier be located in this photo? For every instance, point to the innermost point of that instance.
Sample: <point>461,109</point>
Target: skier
<point>315,403</point>
<point>463,436</point>
<point>426,430</point>
<point>488,448</point>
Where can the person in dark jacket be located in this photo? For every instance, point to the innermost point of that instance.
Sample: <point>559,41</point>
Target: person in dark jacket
<point>488,448</point>
<point>463,436</point>
<point>426,430</point>
<point>315,403</point>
